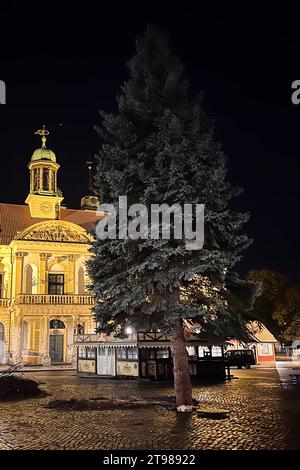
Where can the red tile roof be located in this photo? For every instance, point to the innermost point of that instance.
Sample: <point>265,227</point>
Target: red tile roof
<point>16,218</point>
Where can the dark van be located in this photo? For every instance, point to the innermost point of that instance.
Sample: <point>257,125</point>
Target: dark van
<point>240,358</point>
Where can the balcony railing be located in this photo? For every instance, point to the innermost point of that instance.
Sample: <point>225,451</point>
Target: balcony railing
<point>67,299</point>
<point>4,302</point>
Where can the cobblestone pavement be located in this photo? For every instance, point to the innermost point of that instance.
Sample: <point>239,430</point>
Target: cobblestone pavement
<point>262,416</point>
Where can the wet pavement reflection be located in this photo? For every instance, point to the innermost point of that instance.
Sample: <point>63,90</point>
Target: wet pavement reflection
<point>264,413</point>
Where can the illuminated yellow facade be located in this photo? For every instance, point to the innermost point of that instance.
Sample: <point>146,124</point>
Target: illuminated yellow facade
<point>44,246</point>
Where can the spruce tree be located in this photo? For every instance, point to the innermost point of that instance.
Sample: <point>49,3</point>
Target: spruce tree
<point>160,148</point>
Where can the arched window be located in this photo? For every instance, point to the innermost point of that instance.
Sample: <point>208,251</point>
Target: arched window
<point>28,279</point>
<point>46,179</point>
<point>56,279</point>
<point>35,180</point>
<point>57,325</point>
<point>81,287</point>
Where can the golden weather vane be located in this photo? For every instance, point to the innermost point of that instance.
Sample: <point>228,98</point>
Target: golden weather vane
<point>43,132</point>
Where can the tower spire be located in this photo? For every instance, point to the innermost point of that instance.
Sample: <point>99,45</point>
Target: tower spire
<point>89,201</point>
<point>43,132</point>
<point>90,186</point>
<point>44,197</point>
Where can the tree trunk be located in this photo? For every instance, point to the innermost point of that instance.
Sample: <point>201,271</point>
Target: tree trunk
<point>182,380</point>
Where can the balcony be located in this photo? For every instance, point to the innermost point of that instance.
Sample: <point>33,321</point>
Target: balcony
<point>4,302</point>
<point>44,299</point>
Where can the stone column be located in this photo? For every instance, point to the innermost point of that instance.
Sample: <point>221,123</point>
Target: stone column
<point>42,273</point>
<point>54,181</point>
<point>93,324</point>
<point>72,351</point>
<point>50,180</point>
<point>31,181</point>
<point>46,360</point>
<point>19,273</point>
<point>19,345</point>
<point>71,274</point>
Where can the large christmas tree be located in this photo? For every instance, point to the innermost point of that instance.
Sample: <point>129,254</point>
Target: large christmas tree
<point>160,148</point>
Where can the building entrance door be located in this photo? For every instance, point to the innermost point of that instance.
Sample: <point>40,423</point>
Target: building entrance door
<point>56,348</point>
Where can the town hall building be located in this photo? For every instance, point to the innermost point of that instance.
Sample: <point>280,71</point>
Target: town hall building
<point>45,306</point>
<point>44,246</point>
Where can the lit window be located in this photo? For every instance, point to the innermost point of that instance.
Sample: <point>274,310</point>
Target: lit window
<point>162,353</point>
<point>121,353</point>
<point>216,351</point>
<point>81,352</point>
<point>132,353</point>
<point>202,351</point>
<point>91,353</point>
<point>265,349</point>
<point>129,354</point>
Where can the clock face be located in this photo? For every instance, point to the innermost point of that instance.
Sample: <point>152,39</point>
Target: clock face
<point>45,207</point>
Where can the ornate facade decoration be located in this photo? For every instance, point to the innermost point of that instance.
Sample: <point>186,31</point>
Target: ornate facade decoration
<point>55,231</point>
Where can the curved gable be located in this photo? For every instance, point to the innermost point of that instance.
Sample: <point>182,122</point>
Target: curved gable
<point>55,231</point>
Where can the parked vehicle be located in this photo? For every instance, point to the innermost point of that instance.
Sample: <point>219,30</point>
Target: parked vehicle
<point>240,358</point>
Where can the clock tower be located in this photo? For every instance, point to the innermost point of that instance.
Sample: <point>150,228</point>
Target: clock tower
<point>44,198</point>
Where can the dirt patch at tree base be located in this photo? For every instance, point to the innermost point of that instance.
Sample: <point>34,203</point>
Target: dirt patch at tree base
<point>15,387</point>
<point>103,403</point>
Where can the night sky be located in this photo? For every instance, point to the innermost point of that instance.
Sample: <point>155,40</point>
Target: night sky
<point>61,65</point>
